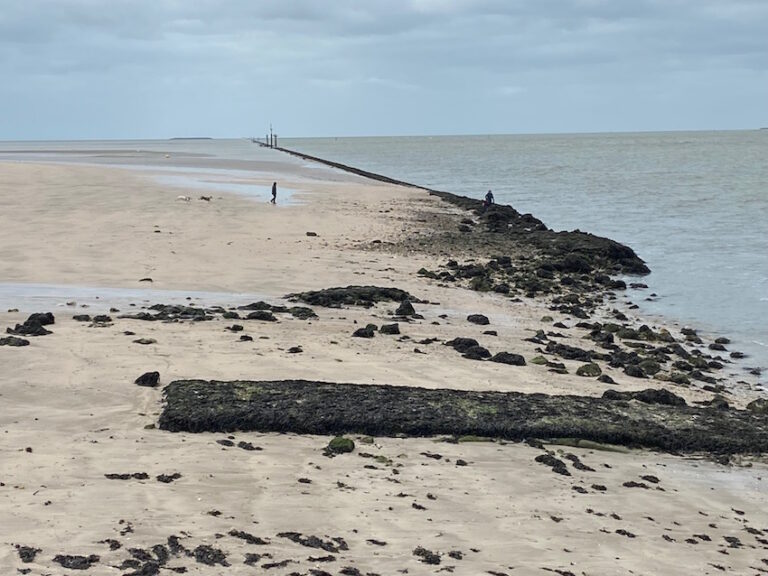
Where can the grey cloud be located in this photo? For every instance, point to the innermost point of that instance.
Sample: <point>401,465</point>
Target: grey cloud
<point>414,62</point>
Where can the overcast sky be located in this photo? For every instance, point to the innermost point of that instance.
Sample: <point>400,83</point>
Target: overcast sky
<point>75,69</point>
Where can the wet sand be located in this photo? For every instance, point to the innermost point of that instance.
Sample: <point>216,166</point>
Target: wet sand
<point>72,413</point>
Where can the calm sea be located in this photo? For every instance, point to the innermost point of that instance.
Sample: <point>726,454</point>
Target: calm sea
<point>693,205</point>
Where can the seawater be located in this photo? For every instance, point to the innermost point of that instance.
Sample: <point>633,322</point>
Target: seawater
<point>693,205</point>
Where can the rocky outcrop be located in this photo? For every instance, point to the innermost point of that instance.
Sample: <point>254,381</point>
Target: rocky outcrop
<point>366,296</point>
<point>658,420</point>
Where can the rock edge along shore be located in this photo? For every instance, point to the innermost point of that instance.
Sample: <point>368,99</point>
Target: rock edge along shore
<point>526,229</point>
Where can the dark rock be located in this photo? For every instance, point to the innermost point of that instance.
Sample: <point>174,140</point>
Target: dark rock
<point>569,352</point>
<point>589,370</point>
<point>405,309</point>
<point>168,478</point>
<point>426,556</point>
<point>509,358</point>
<point>171,313</point>
<point>295,350</point>
<point>27,553</point>
<point>145,341</point>
<point>301,407</point>
<point>649,367</point>
<point>340,445</point>
<point>235,328</point>
<point>249,538</point>
<point>557,465</point>
<point>737,355</point>
<point>604,378</point>
<point>102,319</point>
<point>149,379</point>
<point>76,562</point>
<point>33,326</point>
<point>302,312</point>
<point>352,296</point>
<point>210,556</point>
<point>717,346</point>
<point>578,464</point>
<point>366,332</point>
<point>246,338</point>
<point>390,328</point>
<point>14,341</point>
<point>462,344</point>
<point>230,315</point>
<point>312,234</point>
<point>491,333</point>
<point>134,475</point>
<point>478,319</point>
<point>334,545</point>
<point>263,315</point>
<point>81,318</point>
<point>476,353</point>
<point>648,396</point>
<point>42,318</point>
<point>634,370</point>
<point>247,446</point>
<point>759,406</point>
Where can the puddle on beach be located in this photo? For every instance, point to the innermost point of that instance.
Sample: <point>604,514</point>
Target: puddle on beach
<point>204,182</point>
<point>29,298</point>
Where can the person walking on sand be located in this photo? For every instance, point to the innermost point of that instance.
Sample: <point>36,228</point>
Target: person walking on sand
<point>274,193</point>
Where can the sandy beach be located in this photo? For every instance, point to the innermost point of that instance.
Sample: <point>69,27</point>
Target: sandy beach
<point>89,480</point>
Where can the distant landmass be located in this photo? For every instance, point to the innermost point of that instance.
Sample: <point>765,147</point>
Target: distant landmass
<point>192,138</point>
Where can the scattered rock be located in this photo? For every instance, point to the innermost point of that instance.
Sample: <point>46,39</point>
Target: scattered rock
<point>477,353</point>
<point>76,562</point>
<point>648,396</point>
<point>508,358</point>
<point>149,379</point>
<point>168,478</point>
<point>249,538</point>
<point>340,445</point>
<point>426,556</point>
<point>33,326</point>
<point>478,319</point>
<point>27,553</point>
<point>210,556</point>
<point>557,465</point>
<point>405,309</point>
<point>390,329</point>
<point>145,341</point>
<point>334,545</point>
<point>14,341</point>
<point>263,315</point>
<point>589,370</point>
<point>366,332</point>
<point>352,296</point>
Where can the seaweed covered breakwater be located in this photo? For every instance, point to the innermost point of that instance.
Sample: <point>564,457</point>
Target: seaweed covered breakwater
<point>654,419</point>
<point>505,228</point>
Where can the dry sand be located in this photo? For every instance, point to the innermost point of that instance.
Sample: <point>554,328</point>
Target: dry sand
<point>71,412</point>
